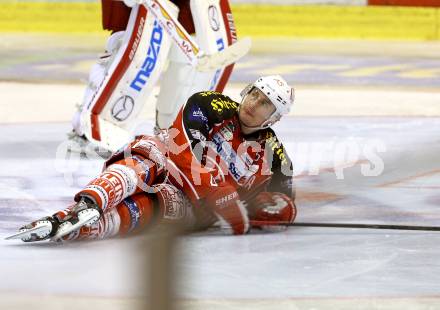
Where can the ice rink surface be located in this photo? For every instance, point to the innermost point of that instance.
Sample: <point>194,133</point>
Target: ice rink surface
<point>363,167</point>
<point>289,267</point>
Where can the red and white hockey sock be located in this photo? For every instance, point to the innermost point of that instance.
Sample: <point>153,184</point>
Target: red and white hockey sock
<point>120,180</point>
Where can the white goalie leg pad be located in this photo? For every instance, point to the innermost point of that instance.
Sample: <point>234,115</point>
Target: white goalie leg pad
<point>111,109</point>
<point>96,77</point>
<point>215,30</point>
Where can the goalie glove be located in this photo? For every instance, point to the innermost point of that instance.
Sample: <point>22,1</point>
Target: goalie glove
<point>270,209</point>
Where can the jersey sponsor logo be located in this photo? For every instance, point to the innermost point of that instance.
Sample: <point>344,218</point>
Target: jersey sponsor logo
<point>198,135</point>
<point>151,59</point>
<point>238,169</point>
<point>122,108</point>
<point>227,133</point>
<point>233,170</point>
<point>225,199</point>
<point>219,105</point>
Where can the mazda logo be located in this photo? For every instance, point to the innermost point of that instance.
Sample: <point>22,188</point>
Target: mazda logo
<point>122,108</point>
<point>213,16</point>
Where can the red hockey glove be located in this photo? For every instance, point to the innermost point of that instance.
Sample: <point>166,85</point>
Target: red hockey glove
<point>231,212</point>
<point>268,210</point>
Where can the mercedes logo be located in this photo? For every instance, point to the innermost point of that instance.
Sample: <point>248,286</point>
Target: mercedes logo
<point>122,108</point>
<point>213,18</point>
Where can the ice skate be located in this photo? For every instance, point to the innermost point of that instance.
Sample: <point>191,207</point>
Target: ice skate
<point>55,227</point>
<point>39,230</point>
<point>84,213</point>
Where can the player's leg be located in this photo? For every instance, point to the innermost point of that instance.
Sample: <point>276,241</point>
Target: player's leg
<point>131,171</point>
<point>166,206</point>
<point>130,215</point>
<point>95,204</point>
<point>214,30</point>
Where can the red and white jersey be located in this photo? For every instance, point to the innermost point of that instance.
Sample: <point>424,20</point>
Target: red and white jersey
<point>208,148</point>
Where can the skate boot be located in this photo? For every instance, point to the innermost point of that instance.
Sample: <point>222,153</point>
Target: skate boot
<point>84,213</point>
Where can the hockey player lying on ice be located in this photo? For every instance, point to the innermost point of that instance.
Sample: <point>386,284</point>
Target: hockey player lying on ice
<point>220,162</point>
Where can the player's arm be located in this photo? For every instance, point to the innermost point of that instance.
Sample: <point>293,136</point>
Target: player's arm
<point>281,166</point>
<point>276,204</point>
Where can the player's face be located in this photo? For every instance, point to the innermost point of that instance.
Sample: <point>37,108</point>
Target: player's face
<point>255,109</point>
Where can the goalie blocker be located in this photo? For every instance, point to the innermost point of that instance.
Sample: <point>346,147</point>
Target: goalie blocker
<point>138,58</point>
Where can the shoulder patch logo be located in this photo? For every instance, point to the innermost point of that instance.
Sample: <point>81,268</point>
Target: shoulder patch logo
<point>198,115</point>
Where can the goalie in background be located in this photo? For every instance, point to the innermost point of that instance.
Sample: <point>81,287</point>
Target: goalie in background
<point>219,164</point>
<point>141,55</point>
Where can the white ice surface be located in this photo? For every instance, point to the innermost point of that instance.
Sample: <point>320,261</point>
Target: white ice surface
<point>296,265</point>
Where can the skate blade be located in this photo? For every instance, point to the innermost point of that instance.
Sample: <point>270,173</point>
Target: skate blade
<point>65,229</point>
<point>27,233</point>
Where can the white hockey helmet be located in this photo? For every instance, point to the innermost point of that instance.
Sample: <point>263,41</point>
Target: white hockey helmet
<point>279,93</point>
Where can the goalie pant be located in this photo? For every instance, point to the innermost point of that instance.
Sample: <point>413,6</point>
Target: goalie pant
<point>125,78</point>
<point>229,170</point>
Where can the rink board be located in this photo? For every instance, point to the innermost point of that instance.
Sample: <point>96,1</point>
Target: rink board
<point>255,20</point>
